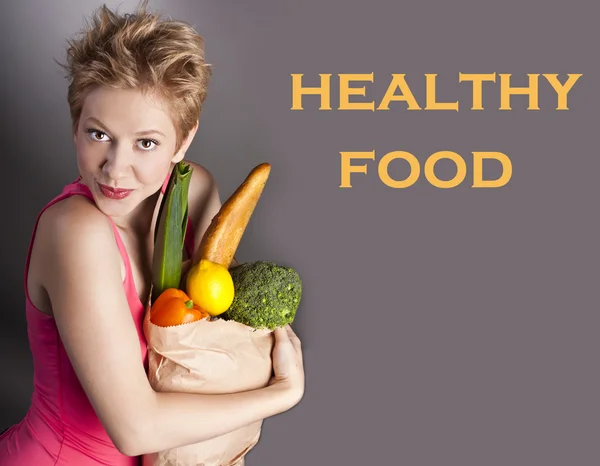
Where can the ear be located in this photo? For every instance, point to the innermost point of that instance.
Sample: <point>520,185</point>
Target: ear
<point>180,154</point>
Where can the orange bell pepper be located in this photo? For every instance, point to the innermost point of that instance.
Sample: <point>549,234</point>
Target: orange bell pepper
<point>174,307</point>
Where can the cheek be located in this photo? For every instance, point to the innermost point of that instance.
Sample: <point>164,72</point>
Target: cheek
<point>153,169</point>
<point>89,155</point>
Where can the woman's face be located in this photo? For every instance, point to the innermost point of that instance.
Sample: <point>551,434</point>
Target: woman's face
<point>125,144</point>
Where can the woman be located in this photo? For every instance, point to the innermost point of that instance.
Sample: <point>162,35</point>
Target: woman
<point>137,84</point>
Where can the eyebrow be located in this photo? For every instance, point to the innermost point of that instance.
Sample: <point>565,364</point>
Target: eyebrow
<point>139,133</point>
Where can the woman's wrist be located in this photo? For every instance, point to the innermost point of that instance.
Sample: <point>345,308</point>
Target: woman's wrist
<point>284,396</point>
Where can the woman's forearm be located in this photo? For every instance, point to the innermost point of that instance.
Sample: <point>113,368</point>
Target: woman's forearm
<point>178,419</point>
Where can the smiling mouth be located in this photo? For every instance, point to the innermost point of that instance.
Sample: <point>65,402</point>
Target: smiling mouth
<point>114,193</point>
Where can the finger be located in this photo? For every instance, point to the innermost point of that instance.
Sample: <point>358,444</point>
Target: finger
<point>291,334</point>
<point>280,334</point>
<point>294,339</point>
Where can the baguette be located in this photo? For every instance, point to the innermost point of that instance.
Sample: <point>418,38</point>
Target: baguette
<point>225,231</point>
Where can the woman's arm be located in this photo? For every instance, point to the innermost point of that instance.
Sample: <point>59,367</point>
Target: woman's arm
<point>82,276</point>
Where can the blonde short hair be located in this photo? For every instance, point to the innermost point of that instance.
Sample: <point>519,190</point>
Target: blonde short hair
<point>144,51</point>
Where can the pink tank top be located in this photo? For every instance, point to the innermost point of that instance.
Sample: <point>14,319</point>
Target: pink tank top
<point>61,426</point>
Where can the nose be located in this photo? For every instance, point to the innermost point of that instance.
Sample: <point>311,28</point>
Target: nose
<point>117,165</point>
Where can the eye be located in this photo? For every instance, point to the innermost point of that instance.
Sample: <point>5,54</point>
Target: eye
<point>97,135</point>
<point>147,144</point>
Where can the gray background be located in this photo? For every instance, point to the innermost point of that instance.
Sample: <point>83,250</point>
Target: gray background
<point>441,327</point>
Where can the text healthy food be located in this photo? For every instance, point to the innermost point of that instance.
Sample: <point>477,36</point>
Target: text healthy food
<point>258,294</point>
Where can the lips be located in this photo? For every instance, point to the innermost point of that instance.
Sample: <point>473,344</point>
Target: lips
<point>114,193</point>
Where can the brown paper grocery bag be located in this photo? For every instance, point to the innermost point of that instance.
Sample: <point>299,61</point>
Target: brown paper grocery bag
<point>209,357</point>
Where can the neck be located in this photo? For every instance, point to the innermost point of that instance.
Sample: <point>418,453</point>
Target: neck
<point>141,220</point>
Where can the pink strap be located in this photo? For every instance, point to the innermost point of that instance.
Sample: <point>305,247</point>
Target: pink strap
<point>165,183</point>
<point>129,282</point>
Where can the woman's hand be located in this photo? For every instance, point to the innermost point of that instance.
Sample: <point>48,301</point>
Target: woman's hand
<point>288,365</point>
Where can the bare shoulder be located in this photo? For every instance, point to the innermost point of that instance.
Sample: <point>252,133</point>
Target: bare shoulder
<point>203,182</point>
<point>204,200</point>
<point>68,231</point>
<point>75,222</point>
<point>73,210</point>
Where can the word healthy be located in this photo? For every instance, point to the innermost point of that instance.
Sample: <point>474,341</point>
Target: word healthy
<point>398,90</point>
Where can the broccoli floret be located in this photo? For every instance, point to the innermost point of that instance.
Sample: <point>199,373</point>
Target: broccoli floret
<point>267,295</point>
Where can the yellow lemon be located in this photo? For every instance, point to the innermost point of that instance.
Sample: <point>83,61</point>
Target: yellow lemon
<point>210,286</point>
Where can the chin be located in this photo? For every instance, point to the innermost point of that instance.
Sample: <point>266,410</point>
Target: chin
<point>116,207</point>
